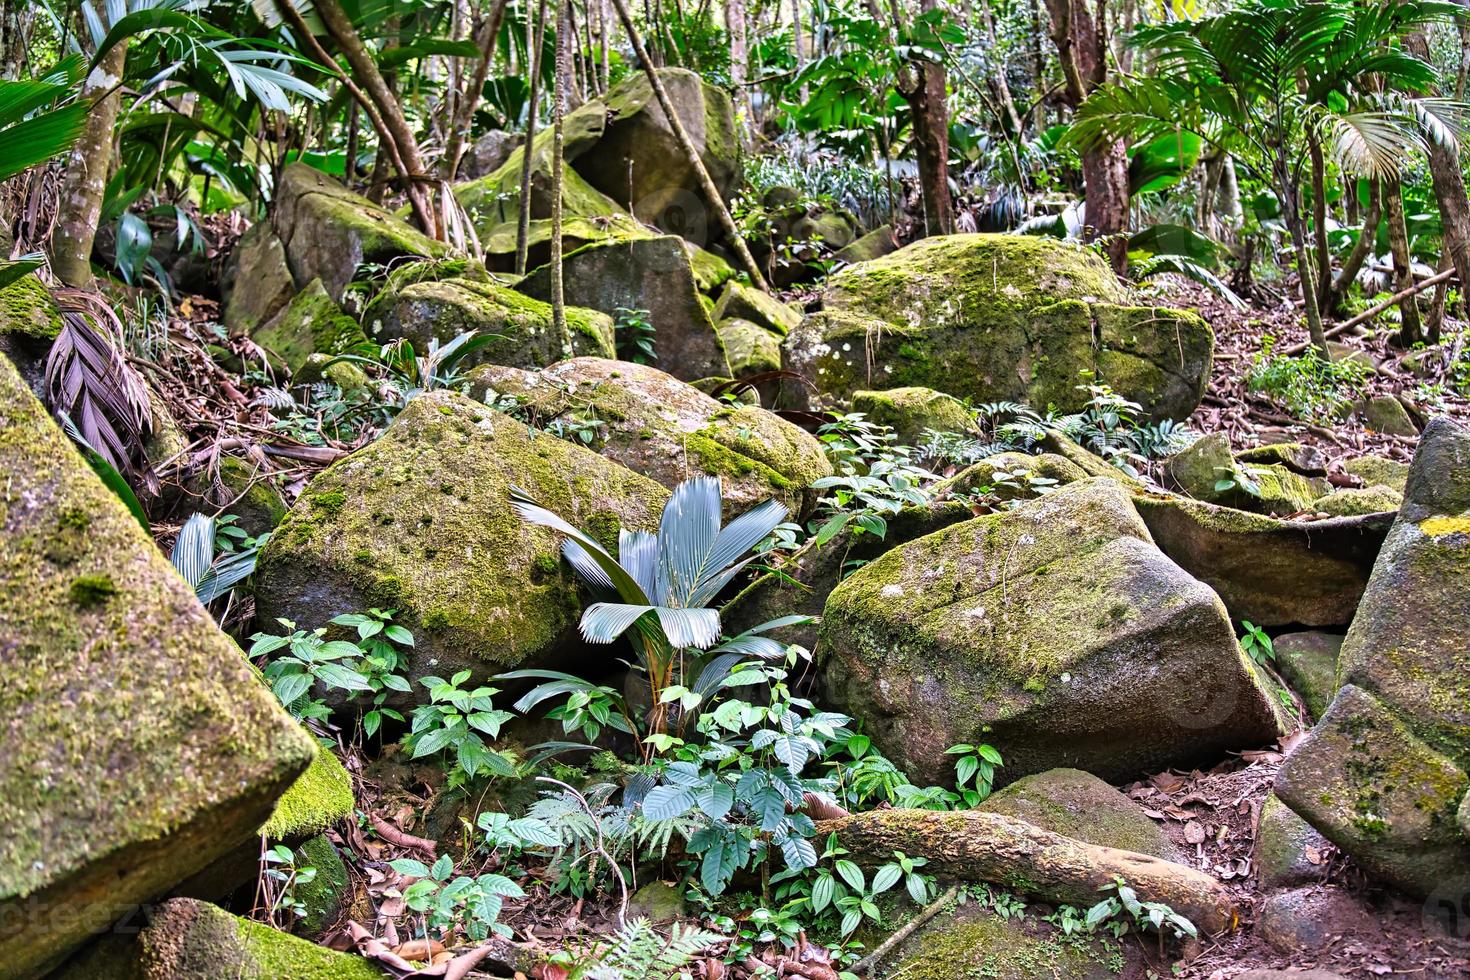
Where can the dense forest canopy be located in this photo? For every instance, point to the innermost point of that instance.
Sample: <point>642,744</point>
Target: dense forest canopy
<point>666,489</point>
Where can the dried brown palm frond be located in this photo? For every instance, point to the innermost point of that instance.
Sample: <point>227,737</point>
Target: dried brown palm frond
<point>89,380</point>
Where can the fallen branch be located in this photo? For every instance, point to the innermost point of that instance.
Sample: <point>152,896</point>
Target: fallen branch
<point>887,946</point>
<point>1374,310</point>
<point>977,846</point>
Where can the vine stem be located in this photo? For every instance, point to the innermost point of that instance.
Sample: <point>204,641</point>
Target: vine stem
<point>884,948</point>
<point>601,845</point>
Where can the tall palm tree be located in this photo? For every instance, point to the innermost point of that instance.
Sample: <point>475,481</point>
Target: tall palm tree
<point>1270,78</point>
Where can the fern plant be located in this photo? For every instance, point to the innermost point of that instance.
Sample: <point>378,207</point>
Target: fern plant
<point>639,952</point>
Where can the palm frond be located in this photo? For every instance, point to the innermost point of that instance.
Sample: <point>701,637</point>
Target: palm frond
<point>89,379</point>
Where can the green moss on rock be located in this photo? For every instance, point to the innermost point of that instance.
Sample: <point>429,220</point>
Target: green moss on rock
<point>191,940</point>
<point>1379,470</point>
<point>320,798</point>
<point>659,426</point>
<point>113,795</point>
<point>425,309</point>
<point>748,303</point>
<point>1308,661</point>
<point>973,944</point>
<point>325,894</point>
<point>955,638</point>
<point>909,411</point>
<point>311,324</point>
<point>992,317</point>
<point>464,580</point>
<point>1010,476</point>
<point>1079,805</point>
<point>27,310</point>
<point>749,348</point>
<point>1351,502</point>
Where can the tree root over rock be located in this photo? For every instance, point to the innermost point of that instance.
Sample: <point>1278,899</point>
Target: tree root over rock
<point>975,846</point>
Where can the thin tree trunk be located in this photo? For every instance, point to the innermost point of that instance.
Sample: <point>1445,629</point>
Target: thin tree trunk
<point>1082,48</point>
<point>1445,173</point>
<point>1291,206</point>
<point>558,112</point>
<point>739,56</point>
<point>1336,291</point>
<point>711,192</point>
<point>85,179</point>
<point>17,25</point>
<point>523,225</point>
<point>365,70</point>
<point>1319,212</point>
<point>470,99</point>
<point>1403,269</point>
<point>923,85</point>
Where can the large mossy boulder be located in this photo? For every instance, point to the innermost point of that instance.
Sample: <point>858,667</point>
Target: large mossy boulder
<point>1011,476</point>
<point>639,163</point>
<point>999,317</point>
<point>670,431</point>
<point>421,521</point>
<point>1270,571</point>
<point>650,274</point>
<point>748,303</point>
<point>257,283</point>
<point>910,411</point>
<point>1034,630</point>
<point>1384,772</point>
<point>186,939</point>
<point>971,941</point>
<point>493,202</point>
<point>312,323</point>
<point>139,746</point>
<point>328,232</point>
<point>430,301</point>
<point>801,584</point>
<point>1077,804</point>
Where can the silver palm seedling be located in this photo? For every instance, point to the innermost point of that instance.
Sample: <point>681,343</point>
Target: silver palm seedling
<point>659,589</point>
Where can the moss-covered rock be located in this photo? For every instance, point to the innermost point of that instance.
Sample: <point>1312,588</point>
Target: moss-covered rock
<point>191,940</point>
<point>1270,571</point>
<point>1029,630</point>
<point>1353,502</point>
<point>639,161</point>
<point>669,431</point>
<point>421,521</point>
<point>874,245</point>
<point>1255,480</point>
<point>749,348</point>
<point>993,317</point>
<point>1012,476</point>
<point>328,231</point>
<point>1299,458</point>
<point>1078,804</point>
<point>1380,793</point>
<point>1289,853</point>
<point>1387,414</point>
<point>27,310</point>
<point>1408,643</point>
<point>909,411</point>
<point>329,889</point>
<point>1308,661</point>
<point>710,270</point>
<point>1085,459</point>
<point>29,322</point>
<point>1379,470</point>
<point>807,578</point>
<point>419,305</point>
<point>749,303</point>
<point>139,746</point>
<point>972,942</point>
<point>257,283</point>
<point>319,798</point>
<point>650,274</point>
<point>312,323</point>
